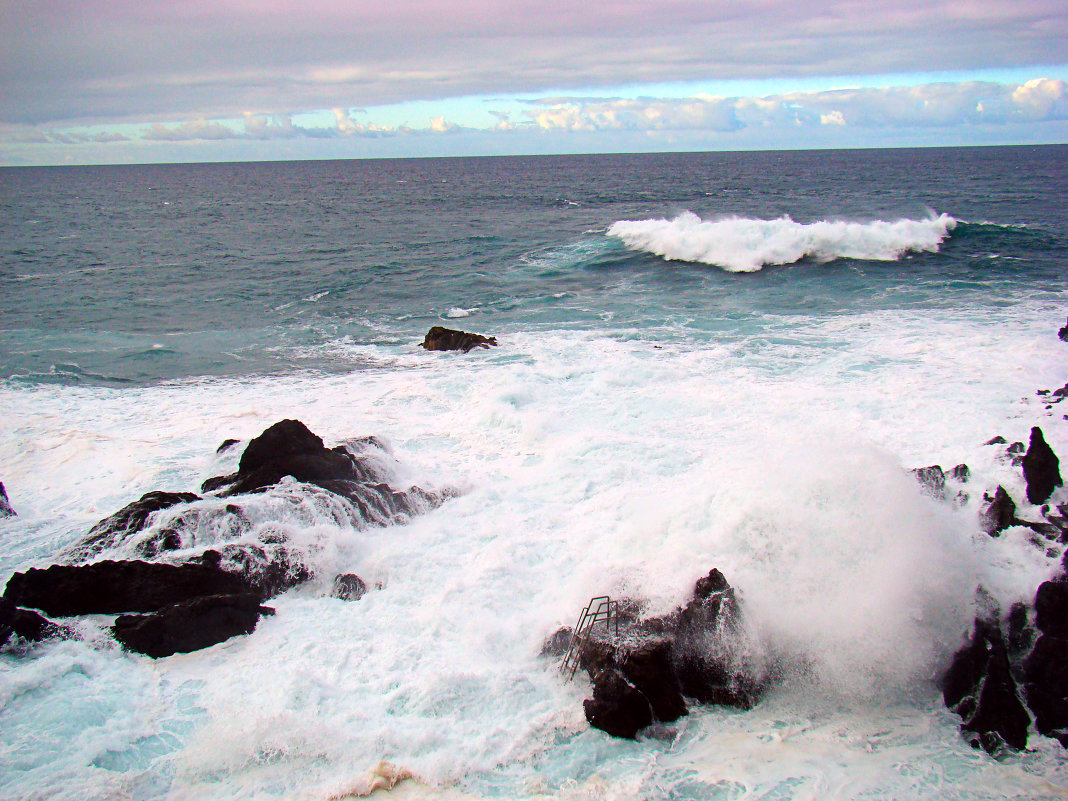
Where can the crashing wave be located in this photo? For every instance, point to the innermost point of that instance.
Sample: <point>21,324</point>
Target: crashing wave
<point>742,244</point>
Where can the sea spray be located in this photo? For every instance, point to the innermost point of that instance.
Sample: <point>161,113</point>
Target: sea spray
<point>740,244</point>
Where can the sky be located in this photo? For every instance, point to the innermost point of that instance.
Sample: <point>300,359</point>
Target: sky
<point>143,81</point>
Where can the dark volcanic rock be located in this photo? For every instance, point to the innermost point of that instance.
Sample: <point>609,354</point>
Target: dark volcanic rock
<point>1051,607</point>
<point>645,673</point>
<point>24,623</point>
<point>113,587</point>
<point>980,688</point>
<point>129,520</point>
<point>190,626</point>
<point>617,706</point>
<point>226,445</point>
<point>1041,468</point>
<point>5,504</point>
<point>439,338</point>
<point>1046,686</point>
<point>1063,333</point>
<point>1046,667</point>
<point>1000,512</point>
<point>348,587</point>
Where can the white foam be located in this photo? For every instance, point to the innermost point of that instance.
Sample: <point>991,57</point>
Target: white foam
<point>591,465</point>
<point>740,244</point>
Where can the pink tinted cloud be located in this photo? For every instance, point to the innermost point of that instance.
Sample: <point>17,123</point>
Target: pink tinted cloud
<point>158,60</point>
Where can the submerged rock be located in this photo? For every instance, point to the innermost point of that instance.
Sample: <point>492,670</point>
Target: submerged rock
<point>348,587</point>
<point>1041,468</point>
<point>190,625</point>
<point>110,587</point>
<point>5,504</point>
<point>439,338</point>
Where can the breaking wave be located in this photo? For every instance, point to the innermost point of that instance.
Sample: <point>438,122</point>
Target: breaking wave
<point>741,244</point>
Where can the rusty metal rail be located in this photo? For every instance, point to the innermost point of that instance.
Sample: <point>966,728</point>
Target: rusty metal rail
<point>601,609</point>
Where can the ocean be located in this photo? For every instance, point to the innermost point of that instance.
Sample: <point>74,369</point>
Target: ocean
<point>711,360</point>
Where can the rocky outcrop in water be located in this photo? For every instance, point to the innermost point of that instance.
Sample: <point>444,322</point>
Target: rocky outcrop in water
<point>24,623</point>
<point>189,596</point>
<point>190,625</point>
<point>108,587</point>
<point>1045,669</point>
<point>997,683</point>
<point>1041,468</point>
<point>933,480</point>
<point>646,673</point>
<point>979,687</point>
<point>1063,333</point>
<point>439,338</point>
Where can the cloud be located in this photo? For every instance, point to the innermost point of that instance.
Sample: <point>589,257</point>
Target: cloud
<point>925,105</point>
<point>110,61</point>
<point>933,106</point>
<point>646,114</point>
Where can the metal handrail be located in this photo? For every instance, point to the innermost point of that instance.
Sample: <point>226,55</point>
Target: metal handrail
<point>606,611</point>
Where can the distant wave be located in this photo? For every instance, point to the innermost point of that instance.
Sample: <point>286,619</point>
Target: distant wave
<point>741,244</point>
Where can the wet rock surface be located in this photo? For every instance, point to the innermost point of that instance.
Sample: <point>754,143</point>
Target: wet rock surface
<point>24,624</point>
<point>1041,468</point>
<point>979,687</point>
<point>646,672</point>
<point>109,587</point>
<point>190,625</point>
<point>440,338</point>
<point>129,520</point>
<point>998,684</point>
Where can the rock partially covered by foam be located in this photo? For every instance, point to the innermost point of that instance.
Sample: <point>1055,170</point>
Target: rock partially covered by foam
<point>1063,333</point>
<point>645,674</point>
<point>348,587</point>
<point>1041,468</point>
<point>5,504</point>
<point>109,587</point>
<point>999,513</point>
<point>190,625</point>
<point>129,520</point>
<point>440,338</point>
<point>356,470</point>
<point>24,623</point>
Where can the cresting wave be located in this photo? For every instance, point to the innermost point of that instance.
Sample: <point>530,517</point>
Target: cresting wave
<point>740,244</point>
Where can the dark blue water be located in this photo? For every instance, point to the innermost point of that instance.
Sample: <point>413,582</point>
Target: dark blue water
<point>146,273</point>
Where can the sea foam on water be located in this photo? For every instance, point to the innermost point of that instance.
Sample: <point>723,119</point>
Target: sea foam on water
<point>588,465</point>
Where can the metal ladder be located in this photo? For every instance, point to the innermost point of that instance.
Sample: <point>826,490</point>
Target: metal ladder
<point>601,609</point>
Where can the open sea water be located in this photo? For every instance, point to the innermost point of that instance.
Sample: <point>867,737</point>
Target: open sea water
<point>706,360</point>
